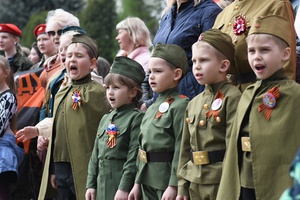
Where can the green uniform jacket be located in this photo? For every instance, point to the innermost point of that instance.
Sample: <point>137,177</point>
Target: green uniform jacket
<point>252,9</point>
<point>162,135</point>
<point>114,168</point>
<point>274,142</point>
<point>81,128</point>
<point>20,63</point>
<point>208,136</point>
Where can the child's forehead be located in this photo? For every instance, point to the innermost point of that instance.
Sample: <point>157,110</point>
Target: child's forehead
<point>77,46</point>
<point>156,61</point>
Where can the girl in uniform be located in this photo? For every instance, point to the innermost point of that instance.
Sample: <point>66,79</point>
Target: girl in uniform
<point>112,166</point>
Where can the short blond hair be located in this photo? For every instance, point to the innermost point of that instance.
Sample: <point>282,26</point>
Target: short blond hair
<point>138,31</point>
<point>281,43</point>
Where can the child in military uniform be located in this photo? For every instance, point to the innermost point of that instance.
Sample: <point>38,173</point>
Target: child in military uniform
<point>112,166</point>
<point>160,136</point>
<point>265,136</point>
<point>78,109</point>
<point>209,118</point>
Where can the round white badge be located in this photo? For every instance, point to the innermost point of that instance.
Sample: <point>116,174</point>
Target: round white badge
<point>216,104</point>
<point>164,107</point>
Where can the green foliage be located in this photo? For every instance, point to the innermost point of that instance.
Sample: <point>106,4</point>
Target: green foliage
<point>28,37</point>
<point>98,19</point>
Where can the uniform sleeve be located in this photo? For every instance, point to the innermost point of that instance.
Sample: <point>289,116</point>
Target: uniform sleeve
<point>231,107</point>
<point>8,107</point>
<point>183,184</point>
<point>178,119</point>
<point>91,181</point>
<point>129,168</point>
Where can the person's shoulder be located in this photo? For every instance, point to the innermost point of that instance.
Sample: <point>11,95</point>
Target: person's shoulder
<point>207,5</point>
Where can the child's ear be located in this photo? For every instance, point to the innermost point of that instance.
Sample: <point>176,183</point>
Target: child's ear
<point>225,66</point>
<point>286,53</point>
<point>93,64</point>
<point>177,74</point>
<point>133,92</point>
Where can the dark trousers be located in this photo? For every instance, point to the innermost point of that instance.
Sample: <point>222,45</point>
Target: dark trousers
<point>64,181</point>
<point>247,194</point>
<point>5,192</point>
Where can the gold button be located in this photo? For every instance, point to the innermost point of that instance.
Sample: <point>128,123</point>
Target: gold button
<point>202,123</point>
<point>236,7</point>
<point>205,106</point>
<point>218,119</point>
<point>248,24</point>
<point>229,24</point>
<point>187,120</point>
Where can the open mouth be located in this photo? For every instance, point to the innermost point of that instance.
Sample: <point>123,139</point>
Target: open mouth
<point>73,69</point>
<point>259,67</point>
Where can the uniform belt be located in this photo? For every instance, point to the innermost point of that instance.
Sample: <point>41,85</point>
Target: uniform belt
<point>206,157</point>
<point>155,156</point>
<point>245,78</point>
<point>246,145</point>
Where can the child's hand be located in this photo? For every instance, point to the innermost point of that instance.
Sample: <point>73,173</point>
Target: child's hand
<point>135,192</point>
<point>53,182</point>
<point>90,194</point>
<point>182,198</point>
<point>170,193</point>
<point>27,133</point>
<point>121,195</point>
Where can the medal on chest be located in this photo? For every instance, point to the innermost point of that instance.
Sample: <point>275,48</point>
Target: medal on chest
<point>215,106</point>
<point>164,107</point>
<point>269,102</point>
<point>240,26</point>
<point>76,99</point>
<point>112,132</point>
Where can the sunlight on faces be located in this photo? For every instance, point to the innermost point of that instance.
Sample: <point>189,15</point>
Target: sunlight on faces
<point>163,75</point>
<point>266,54</point>
<point>209,65</point>
<point>78,62</point>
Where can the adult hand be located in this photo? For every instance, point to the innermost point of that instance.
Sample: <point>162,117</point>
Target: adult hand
<point>121,195</point>
<point>27,133</point>
<point>42,143</point>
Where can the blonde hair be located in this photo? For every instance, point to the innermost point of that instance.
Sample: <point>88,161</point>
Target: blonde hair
<point>138,31</point>
<point>218,54</point>
<point>281,43</point>
<point>62,18</point>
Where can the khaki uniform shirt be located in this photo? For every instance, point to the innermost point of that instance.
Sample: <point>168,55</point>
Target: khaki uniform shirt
<point>201,133</point>
<point>114,168</point>
<point>251,9</point>
<point>162,135</point>
<point>273,142</point>
<point>80,128</point>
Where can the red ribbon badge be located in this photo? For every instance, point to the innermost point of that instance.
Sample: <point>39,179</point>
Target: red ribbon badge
<point>239,26</point>
<point>269,102</point>
<point>76,99</point>
<point>216,105</point>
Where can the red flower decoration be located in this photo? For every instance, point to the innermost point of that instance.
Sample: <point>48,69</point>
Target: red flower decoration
<point>239,26</point>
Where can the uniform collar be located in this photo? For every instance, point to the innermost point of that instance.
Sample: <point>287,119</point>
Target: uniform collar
<point>214,88</point>
<point>277,76</point>
<point>167,93</point>
<point>83,80</point>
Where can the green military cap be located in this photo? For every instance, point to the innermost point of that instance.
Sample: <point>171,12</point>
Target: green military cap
<point>221,42</point>
<point>85,39</point>
<point>127,67</point>
<point>172,53</point>
<point>274,25</point>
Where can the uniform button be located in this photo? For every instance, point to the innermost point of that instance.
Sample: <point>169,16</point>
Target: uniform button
<point>205,106</point>
<point>187,120</point>
<point>229,24</point>
<point>236,7</point>
<point>50,95</point>
<point>98,134</point>
<point>248,24</point>
<point>202,123</point>
<point>218,119</point>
